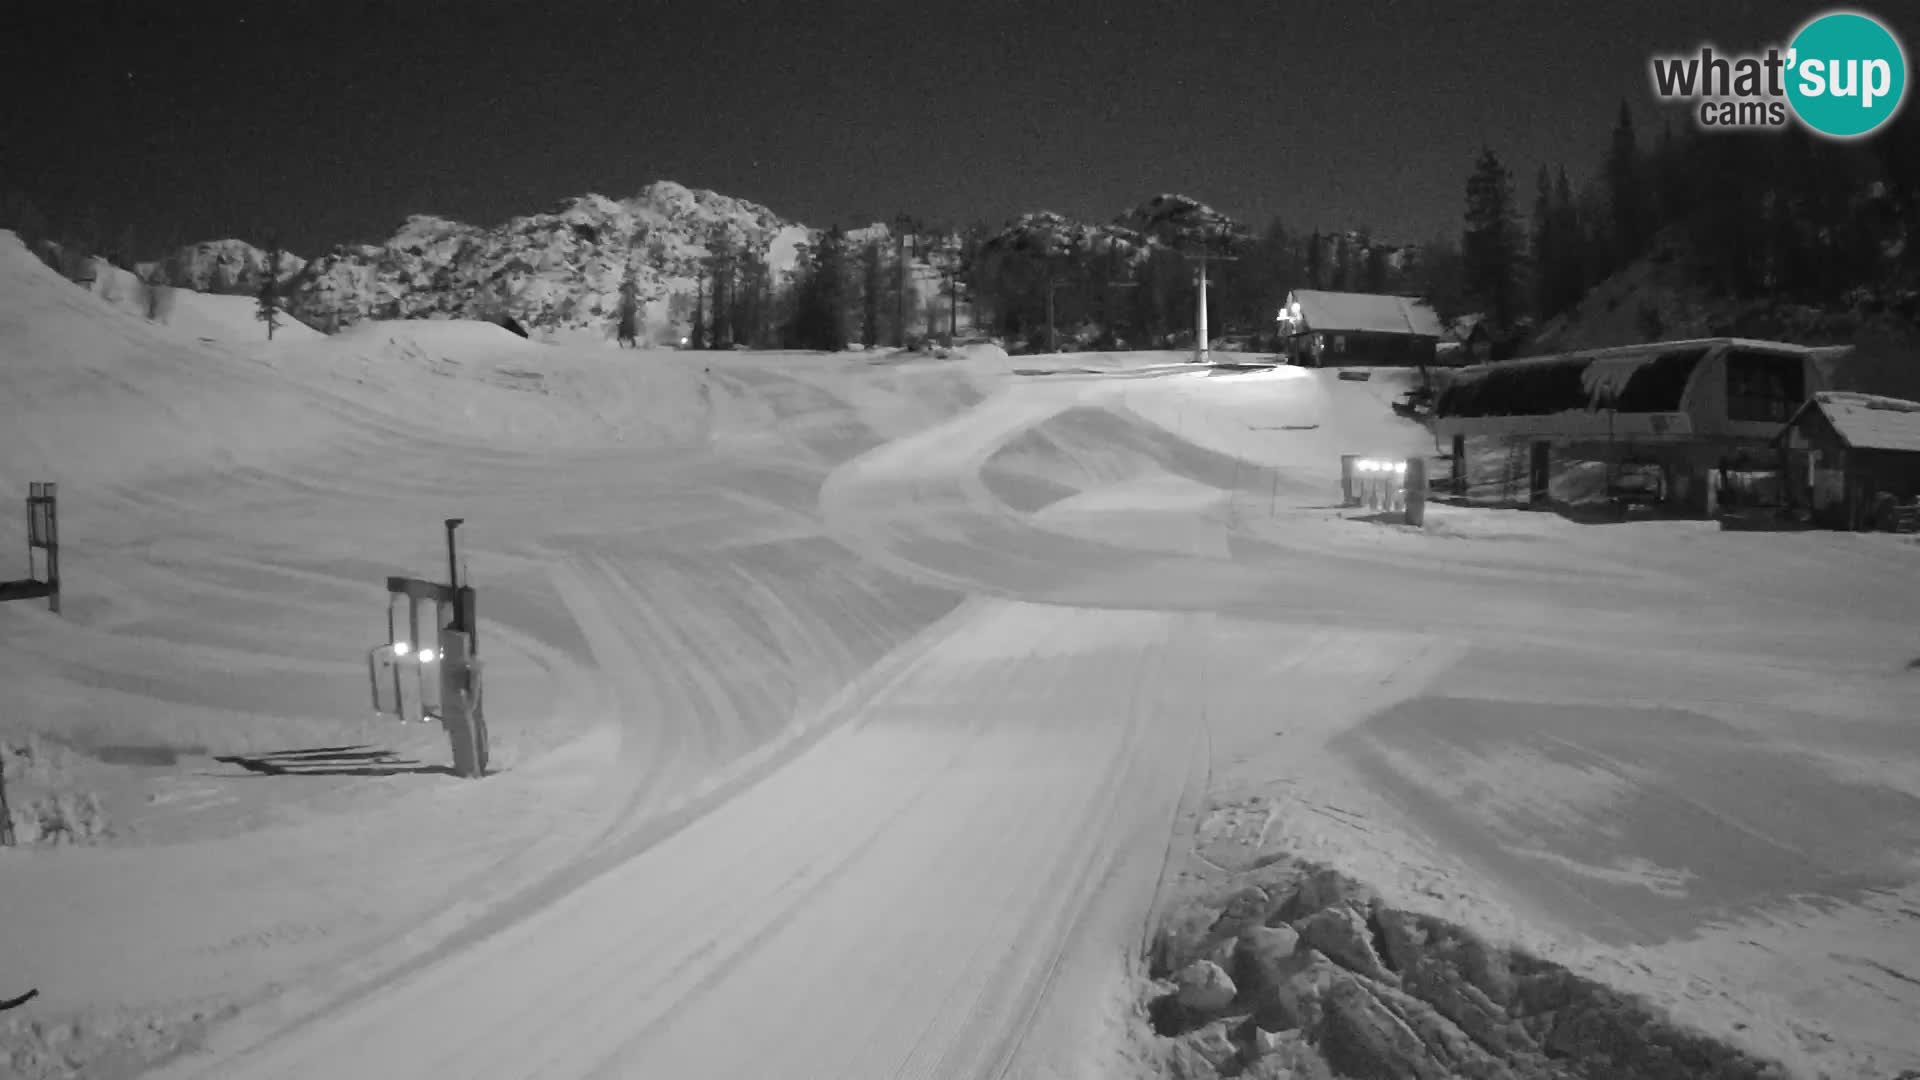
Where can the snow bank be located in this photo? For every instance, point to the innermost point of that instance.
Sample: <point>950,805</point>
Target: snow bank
<point>92,394</point>
<point>439,334</point>
<point>189,314</point>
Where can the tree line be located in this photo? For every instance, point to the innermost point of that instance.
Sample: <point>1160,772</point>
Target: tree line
<point>1052,282</point>
<point>1776,214</point>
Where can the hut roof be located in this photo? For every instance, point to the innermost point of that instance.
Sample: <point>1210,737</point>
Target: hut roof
<point>1867,421</point>
<point>1366,313</point>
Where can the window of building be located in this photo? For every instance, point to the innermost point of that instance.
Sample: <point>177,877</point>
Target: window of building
<point>1763,387</point>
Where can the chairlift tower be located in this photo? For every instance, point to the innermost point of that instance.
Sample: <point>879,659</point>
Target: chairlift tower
<point>1201,352</point>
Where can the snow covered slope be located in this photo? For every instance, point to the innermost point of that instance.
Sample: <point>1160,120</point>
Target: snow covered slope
<point>202,316</point>
<point>911,678</point>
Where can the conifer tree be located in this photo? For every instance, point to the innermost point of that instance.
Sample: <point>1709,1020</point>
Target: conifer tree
<point>269,296</point>
<point>628,330</point>
<point>1625,192</point>
<point>1490,246</point>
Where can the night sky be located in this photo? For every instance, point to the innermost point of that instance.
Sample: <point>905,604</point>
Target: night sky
<point>333,121</point>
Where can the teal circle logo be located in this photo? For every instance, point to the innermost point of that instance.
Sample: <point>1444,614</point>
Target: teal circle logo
<point>1848,74</point>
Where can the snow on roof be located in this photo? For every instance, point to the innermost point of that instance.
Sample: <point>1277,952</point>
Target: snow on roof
<point>1870,421</point>
<point>1366,313</point>
<point>1644,379</point>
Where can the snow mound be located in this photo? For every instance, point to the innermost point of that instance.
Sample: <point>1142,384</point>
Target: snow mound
<point>93,394</point>
<point>204,316</point>
<point>437,334</point>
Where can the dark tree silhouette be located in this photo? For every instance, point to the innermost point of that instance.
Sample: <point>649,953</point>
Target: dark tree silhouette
<point>269,295</point>
<point>1489,246</point>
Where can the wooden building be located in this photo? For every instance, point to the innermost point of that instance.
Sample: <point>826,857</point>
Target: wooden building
<point>1852,461</point>
<point>1339,329</point>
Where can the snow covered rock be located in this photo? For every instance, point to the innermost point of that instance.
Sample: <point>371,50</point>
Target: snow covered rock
<point>1342,934</point>
<point>562,270</point>
<point>1247,907</point>
<point>1372,1030</point>
<point>1343,985</point>
<point>225,267</point>
<point>1265,963</point>
<point>1320,889</point>
<point>1204,1053</point>
<point>1204,987</point>
<point>1182,222</point>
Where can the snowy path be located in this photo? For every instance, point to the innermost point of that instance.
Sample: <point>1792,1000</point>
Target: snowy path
<point>891,903</point>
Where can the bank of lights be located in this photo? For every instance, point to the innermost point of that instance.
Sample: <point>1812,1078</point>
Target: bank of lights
<point>1369,465</point>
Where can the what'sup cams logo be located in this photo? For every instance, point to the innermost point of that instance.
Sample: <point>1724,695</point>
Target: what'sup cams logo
<point>1843,75</point>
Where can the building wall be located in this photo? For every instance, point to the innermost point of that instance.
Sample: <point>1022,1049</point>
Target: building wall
<point>1838,484</point>
<point>1887,470</point>
<point>1347,349</point>
<point>1709,404</point>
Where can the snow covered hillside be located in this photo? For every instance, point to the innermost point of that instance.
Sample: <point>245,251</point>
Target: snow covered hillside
<point>973,688</point>
<point>204,316</point>
<point>1660,298</point>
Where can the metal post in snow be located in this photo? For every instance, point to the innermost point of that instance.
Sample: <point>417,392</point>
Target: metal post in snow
<point>1200,339</point>
<point>6,812</point>
<point>1201,350</point>
<point>52,511</point>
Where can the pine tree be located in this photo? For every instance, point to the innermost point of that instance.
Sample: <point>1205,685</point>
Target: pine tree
<point>1442,277</point>
<point>1378,270</point>
<point>819,318</point>
<point>872,282</point>
<point>1624,191</point>
<point>1489,246</point>
<point>1316,263</point>
<point>744,313</point>
<point>699,336</point>
<point>269,311</point>
<point>1545,249</point>
<point>1670,180</point>
<point>628,331</point>
<point>1569,272</point>
<point>720,269</point>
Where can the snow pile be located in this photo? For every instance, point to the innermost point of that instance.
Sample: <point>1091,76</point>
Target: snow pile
<point>86,382</point>
<point>1297,970</point>
<point>202,316</point>
<point>46,807</point>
